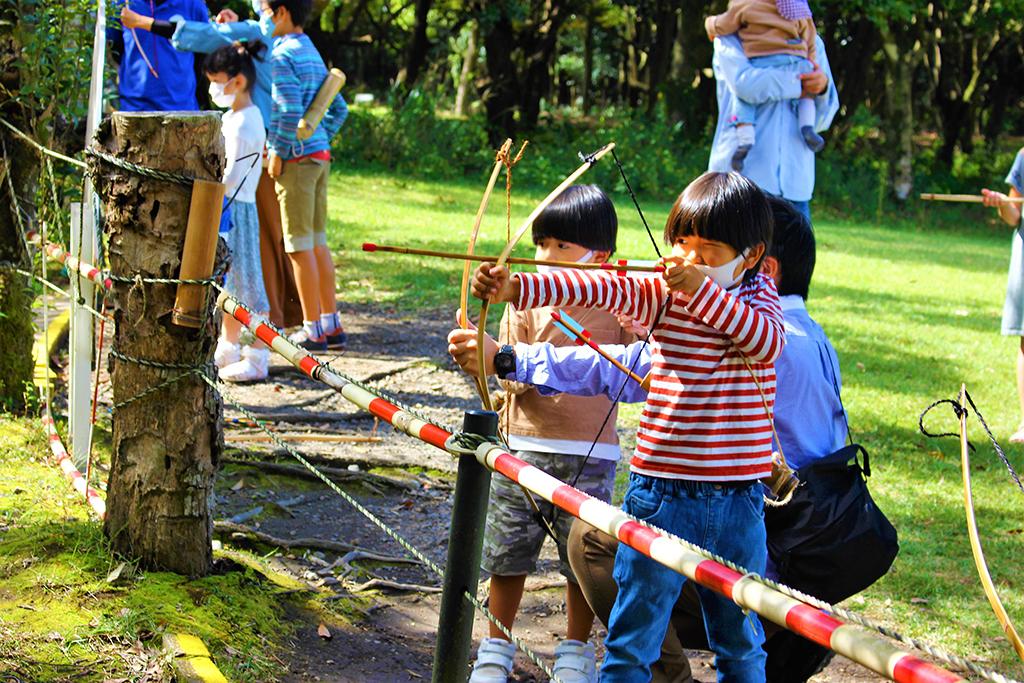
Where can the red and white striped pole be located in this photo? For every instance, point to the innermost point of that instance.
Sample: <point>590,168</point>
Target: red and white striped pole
<point>311,366</point>
<point>56,253</point>
<point>63,459</point>
<point>817,626</point>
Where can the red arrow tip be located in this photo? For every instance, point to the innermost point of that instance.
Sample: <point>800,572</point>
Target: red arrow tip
<point>369,246</point>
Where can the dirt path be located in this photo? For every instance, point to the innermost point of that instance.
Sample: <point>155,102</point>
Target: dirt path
<point>377,634</point>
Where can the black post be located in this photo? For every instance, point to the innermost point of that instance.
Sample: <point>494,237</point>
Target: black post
<point>465,543</point>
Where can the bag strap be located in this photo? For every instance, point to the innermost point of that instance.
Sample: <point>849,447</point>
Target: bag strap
<point>839,395</point>
<point>764,402</point>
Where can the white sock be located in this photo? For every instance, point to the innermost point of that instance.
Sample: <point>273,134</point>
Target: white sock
<point>805,112</point>
<point>313,328</point>
<point>745,134</point>
<point>330,322</point>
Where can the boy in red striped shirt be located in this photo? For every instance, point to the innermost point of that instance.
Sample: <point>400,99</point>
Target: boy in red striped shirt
<point>704,440</point>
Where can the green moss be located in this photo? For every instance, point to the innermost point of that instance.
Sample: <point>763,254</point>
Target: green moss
<point>16,352</point>
<point>59,614</point>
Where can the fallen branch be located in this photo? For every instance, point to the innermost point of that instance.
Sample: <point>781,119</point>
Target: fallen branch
<point>326,438</point>
<point>224,527</point>
<point>306,417</point>
<point>358,555</point>
<point>384,583</point>
<point>332,473</point>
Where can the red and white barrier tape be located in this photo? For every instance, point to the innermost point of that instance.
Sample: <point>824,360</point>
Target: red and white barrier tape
<point>56,253</point>
<point>67,465</point>
<point>853,642</point>
<point>311,366</point>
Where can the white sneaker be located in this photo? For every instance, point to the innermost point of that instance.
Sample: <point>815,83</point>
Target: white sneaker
<point>252,367</point>
<point>575,662</point>
<point>493,661</point>
<point>226,353</point>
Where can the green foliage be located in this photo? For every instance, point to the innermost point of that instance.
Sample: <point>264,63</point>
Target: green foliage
<point>414,140</point>
<point>51,58</point>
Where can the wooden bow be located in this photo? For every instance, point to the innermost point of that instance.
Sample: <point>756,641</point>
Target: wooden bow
<point>481,380</point>
<point>972,533</point>
<point>507,251</point>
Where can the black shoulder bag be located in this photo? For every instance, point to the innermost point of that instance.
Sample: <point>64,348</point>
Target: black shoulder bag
<point>830,541</point>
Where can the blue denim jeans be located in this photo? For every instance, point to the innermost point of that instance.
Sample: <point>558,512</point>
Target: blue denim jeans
<point>804,208</point>
<point>725,520</point>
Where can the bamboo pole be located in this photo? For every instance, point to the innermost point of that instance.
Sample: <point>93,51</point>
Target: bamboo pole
<point>968,198</point>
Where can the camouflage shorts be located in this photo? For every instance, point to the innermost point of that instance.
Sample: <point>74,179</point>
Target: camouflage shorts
<point>512,538</point>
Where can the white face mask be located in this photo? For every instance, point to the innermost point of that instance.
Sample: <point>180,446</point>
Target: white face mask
<point>219,97</point>
<point>723,275</point>
<point>544,269</point>
<point>266,24</point>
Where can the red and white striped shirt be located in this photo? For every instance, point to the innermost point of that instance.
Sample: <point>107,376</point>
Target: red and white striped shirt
<point>704,419</point>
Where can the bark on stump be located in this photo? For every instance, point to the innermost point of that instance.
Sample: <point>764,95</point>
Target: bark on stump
<point>167,444</point>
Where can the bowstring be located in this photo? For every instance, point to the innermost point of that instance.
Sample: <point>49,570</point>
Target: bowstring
<point>662,308</point>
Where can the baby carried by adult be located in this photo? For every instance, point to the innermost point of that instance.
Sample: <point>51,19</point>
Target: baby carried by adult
<point>775,34</point>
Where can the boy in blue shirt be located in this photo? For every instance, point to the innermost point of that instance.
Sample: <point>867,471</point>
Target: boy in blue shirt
<point>301,168</point>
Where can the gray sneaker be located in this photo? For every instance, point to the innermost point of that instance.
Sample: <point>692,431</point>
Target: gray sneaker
<point>575,662</point>
<point>493,661</point>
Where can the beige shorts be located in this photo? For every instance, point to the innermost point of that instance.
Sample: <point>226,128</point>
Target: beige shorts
<point>302,193</point>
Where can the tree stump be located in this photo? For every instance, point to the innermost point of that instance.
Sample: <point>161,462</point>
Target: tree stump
<point>166,444</point>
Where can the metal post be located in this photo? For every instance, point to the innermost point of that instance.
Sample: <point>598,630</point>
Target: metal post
<point>465,543</point>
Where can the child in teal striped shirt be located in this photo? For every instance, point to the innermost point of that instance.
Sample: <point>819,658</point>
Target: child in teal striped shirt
<point>300,169</point>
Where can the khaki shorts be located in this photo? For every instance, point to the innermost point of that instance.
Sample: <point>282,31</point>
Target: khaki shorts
<point>302,193</point>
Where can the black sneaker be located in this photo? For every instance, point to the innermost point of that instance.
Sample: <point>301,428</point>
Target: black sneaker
<point>304,341</point>
<point>814,142</point>
<point>739,155</point>
<point>337,340</point>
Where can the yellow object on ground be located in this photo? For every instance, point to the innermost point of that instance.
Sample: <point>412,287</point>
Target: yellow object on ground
<point>56,334</point>
<point>192,663</point>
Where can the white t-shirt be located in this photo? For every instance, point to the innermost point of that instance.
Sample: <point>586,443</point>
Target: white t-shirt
<point>244,139</point>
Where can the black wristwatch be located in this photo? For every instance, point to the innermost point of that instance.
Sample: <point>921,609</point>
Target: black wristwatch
<point>505,362</point>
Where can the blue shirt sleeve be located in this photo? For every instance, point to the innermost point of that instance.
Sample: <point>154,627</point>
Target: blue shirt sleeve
<point>827,103</point>
<point>335,117</point>
<point>748,82</point>
<point>581,371</point>
<point>207,36</point>
<point>1015,178</point>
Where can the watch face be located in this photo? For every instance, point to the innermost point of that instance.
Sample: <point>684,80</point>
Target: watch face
<point>504,362</point>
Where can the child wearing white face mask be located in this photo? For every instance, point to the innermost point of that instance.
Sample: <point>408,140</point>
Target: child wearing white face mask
<point>232,74</point>
<point>704,440</point>
<point>555,433</point>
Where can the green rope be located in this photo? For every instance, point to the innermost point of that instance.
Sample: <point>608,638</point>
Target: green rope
<point>144,171</point>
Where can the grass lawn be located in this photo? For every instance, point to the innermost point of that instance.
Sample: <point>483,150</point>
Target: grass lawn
<point>913,311</point>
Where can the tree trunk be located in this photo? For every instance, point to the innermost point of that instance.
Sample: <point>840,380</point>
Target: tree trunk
<point>15,301</point>
<point>664,27</point>
<point>499,93</point>
<point>166,445</point>
<point>467,71</point>
<point>416,55</point>
<point>899,97</point>
<point>588,64</point>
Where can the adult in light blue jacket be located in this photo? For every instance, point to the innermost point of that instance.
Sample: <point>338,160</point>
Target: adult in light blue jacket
<point>780,163</point>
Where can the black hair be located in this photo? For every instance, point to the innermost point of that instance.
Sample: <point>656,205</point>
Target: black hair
<point>793,247</point>
<point>299,9</point>
<point>724,207</point>
<point>583,215</point>
<point>235,59</point>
